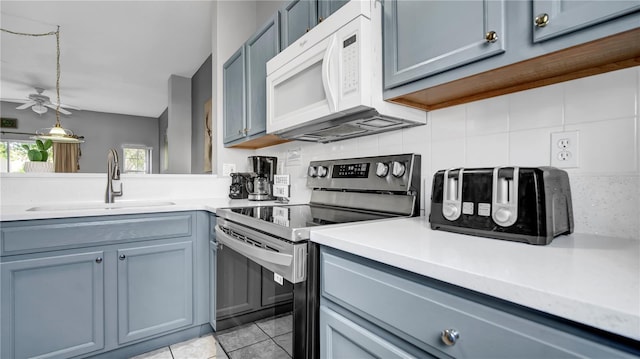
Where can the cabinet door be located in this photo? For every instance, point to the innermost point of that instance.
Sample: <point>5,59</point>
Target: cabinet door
<point>155,290</point>
<point>328,7</point>
<point>238,283</point>
<point>234,120</point>
<point>456,33</point>
<point>52,307</point>
<point>342,338</point>
<point>260,48</point>
<point>297,17</point>
<point>273,292</point>
<point>553,18</point>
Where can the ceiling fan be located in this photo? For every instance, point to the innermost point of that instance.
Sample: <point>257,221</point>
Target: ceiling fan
<point>39,103</point>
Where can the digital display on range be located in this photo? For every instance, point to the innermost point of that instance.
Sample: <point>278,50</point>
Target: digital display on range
<point>357,170</point>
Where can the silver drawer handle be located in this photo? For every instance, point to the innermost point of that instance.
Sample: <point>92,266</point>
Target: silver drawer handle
<point>449,336</point>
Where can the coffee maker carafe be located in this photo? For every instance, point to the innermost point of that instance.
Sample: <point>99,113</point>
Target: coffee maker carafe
<point>261,188</point>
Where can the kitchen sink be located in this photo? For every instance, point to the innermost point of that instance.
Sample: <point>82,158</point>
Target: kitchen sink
<point>96,205</point>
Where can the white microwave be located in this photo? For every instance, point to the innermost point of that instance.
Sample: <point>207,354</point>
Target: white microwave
<point>327,86</point>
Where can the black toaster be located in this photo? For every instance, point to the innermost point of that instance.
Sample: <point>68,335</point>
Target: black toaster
<point>524,204</point>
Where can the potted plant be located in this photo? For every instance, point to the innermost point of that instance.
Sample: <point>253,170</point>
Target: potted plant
<point>38,156</point>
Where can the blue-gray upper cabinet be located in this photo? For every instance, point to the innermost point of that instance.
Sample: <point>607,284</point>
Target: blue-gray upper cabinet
<point>422,38</point>
<point>155,289</point>
<point>234,112</point>
<point>260,48</point>
<point>553,18</point>
<point>328,7</point>
<point>245,90</point>
<point>297,17</point>
<point>52,307</point>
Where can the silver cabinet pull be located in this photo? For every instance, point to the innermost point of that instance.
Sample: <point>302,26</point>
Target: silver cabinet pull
<point>541,20</point>
<point>449,336</point>
<point>99,260</point>
<point>491,36</point>
<point>122,257</point>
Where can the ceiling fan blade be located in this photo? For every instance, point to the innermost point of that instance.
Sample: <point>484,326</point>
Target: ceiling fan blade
<point>17,100</point>
<point>52,106</point>
<point>26,105</point>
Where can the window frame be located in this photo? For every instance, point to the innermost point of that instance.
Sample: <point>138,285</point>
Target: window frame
<point>148,160</point>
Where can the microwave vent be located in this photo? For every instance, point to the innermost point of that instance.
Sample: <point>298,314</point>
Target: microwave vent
<point>378,122</point>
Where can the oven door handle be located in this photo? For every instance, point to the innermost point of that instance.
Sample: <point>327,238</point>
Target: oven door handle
<point>253,251</point>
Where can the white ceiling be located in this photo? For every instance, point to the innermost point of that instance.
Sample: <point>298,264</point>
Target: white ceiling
<point>116,56</point>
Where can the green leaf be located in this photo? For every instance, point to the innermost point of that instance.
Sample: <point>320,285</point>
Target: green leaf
<point>26,147</point>
<point>48,144</point>
<point>40,145</point>
<point>45,155</point>
<point>34,155</point>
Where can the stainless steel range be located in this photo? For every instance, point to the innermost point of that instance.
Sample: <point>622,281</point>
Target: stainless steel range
<point>343,191</point>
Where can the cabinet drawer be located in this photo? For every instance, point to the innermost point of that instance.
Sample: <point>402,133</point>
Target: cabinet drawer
<point>44,235</point>
<point>419,313</point>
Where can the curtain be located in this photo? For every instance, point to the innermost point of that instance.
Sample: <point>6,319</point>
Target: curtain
<point>66,157</point>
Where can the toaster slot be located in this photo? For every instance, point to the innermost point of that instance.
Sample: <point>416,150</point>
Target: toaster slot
<point>505,196</point>
<point>452,194</point>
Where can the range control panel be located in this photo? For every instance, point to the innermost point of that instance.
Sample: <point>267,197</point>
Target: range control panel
<point>378,173</point>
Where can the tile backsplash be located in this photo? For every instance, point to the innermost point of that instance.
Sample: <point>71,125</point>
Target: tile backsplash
<point>515,129</point>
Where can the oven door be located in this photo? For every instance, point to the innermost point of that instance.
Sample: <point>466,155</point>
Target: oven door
<point>278,255</point>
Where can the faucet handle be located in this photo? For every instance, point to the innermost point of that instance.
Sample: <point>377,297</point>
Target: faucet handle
<point>118,193</point>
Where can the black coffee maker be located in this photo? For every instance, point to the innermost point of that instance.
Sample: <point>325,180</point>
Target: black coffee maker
<point>261,188</point>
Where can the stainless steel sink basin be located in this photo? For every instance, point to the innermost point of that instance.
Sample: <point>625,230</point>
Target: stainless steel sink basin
<point>96,205</point>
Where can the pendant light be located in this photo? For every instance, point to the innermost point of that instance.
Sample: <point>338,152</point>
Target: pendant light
<point>56,133</point>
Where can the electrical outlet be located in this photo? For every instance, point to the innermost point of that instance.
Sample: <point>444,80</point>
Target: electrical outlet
<point>564,149</point>
<point>228,169</point>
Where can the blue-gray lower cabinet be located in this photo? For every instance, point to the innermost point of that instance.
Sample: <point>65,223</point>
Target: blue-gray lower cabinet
<point>155,290</point>
<point>53,307</point>
<point>411,313</point>
<point>79,287</point>
<point>341,337</point>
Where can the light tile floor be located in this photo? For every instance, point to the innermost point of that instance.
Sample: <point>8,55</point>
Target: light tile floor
<point>264,339</point>
<point>205,347</point>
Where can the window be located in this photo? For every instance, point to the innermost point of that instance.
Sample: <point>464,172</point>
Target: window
<point>13,156</point>
<point>137,159</point>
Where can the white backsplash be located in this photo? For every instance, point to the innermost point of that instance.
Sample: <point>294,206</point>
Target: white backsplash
<point>515,129</point>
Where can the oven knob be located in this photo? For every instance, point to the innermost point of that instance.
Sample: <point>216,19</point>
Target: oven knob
<point>312,171</point>
<point>398,169</point>
<point>382,169</point>
<point>322,171</point>
<point>502,215</point>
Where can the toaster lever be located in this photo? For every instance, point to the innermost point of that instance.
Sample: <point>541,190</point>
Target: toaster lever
<point>452,195</point>
<point>505,197</point>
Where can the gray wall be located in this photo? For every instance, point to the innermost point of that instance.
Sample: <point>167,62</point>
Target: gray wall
<point>102,131</point>
<point>200,94</point>
<point>163,124</point>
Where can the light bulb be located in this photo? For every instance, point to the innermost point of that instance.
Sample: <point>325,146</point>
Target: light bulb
<point>57,131</point>
<point>39,109</point>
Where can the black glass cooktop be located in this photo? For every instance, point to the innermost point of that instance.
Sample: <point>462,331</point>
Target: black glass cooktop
<point>302,216</point>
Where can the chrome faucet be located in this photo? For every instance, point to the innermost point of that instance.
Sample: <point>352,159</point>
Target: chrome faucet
<point>113,174</point>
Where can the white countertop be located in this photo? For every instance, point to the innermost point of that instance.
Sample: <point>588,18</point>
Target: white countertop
<point>585,278</point>
<point>86,209</point>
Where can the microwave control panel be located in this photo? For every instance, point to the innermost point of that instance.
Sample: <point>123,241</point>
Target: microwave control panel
<point>350,64</point>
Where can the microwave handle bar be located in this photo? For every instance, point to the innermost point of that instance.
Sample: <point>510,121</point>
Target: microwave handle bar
<point>326,73</point>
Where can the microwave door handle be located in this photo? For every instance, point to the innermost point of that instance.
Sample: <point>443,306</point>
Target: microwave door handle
<point>253,251</point>
<point>326,73</point>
